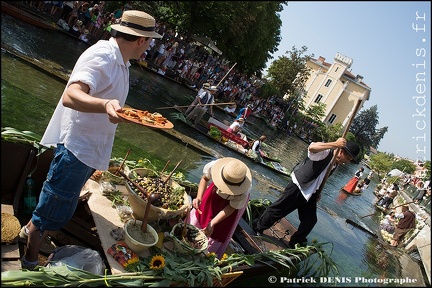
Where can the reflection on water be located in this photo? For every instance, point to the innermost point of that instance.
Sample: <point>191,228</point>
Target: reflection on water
<point>355,251</point>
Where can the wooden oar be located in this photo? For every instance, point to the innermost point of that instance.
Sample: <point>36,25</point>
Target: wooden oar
<point>214,104</point>
<point>354,224</point>
<point>356,107</point>
<point>226,74</point>
<point>391,208</point>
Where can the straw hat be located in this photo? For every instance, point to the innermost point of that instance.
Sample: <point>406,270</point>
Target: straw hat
<point>137,23</point>
<point>206,85</point>
<point>241,119</point>
<point>233,179</point>
<point>86,31</point>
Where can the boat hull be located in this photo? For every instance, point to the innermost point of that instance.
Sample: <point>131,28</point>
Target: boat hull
<point>27,17</point>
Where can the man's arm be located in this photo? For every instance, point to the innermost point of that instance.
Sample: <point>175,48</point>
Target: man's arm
<point>315,147</point>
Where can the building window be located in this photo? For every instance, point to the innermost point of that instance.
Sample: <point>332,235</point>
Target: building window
<point>332,118</point>
<point>318,98</point>
<point>328,83</point>
<point>336,69</point>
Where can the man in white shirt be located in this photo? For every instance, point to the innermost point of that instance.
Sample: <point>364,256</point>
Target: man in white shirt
<point>205,101</point>
<point>83,126</point>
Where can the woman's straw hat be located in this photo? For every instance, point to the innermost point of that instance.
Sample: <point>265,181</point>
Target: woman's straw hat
<point>137,23</point>
<point>233,179</point>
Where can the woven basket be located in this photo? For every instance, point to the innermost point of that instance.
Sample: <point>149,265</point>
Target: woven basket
<point>183,246</point>
<point>139,204</point>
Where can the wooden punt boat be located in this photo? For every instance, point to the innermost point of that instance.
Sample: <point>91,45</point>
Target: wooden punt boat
<point>237,147</point>
<point>351,193</point>
<point>28,17</point>
<point>95,217</point>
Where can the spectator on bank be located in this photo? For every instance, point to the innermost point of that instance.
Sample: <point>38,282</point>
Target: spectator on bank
<point>56,6</point>
<point>67,9</point>
<point>85,36</point>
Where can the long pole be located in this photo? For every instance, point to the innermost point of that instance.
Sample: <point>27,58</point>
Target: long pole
<point>391,208</point>
<point>356,108</point>
<point>226,74</point>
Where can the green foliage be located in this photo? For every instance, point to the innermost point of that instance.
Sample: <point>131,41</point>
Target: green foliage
<point>215,132</point>
<point>231,25</point>
<point>316,112</point>
<point>404,165</point>
<point>329,133</point>
<point>25,137</point>
<point>364,128</point>
<point>267,90</point>
<point>289,72</point>
<point>427,165</point>
<point>381,163</point>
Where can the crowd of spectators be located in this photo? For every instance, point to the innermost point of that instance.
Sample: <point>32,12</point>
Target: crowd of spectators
<point>174,55</point>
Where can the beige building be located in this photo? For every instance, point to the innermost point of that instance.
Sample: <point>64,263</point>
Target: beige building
<point>334,85</point>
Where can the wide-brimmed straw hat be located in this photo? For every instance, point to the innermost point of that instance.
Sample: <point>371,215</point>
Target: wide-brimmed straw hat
<point>137,23</point>
<point>241,119</point>
<point>206,85</point>
<point>233,179</point>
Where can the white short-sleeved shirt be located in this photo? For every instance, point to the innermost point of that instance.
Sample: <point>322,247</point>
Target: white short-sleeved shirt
<point>234,125</point>
<point>307,192</point>
<point>90,136</point>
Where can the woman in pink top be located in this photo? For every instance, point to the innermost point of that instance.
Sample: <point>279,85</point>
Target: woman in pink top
<point>218,207</point>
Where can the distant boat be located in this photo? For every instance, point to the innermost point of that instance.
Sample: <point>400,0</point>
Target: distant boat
<point>27,17</point>
<point>234,143</point>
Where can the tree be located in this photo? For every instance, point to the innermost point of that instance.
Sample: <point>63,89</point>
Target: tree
<point>289,72</point>
<point>381,162</point>
<point>378,136</point>
<point>247,32</point>
<point>404,165</point>
<point>427,165</point>
<point>364,128</point>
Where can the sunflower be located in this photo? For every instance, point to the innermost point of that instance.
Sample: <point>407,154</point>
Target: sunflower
<point>157,262</point>
<point>224,257</point>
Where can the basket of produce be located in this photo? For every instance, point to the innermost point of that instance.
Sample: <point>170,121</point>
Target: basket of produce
<point>172,200</point>
<point>190,240</point>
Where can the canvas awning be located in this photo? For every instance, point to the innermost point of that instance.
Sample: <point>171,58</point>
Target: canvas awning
<point>206,42</point>
<point>395,172</point>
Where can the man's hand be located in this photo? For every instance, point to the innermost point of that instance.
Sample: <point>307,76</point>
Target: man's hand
<point>111,106</point>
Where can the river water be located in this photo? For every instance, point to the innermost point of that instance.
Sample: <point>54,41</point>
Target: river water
<point>356,252</point>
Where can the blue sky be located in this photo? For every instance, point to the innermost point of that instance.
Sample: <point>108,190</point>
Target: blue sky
<point>380,38</point>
